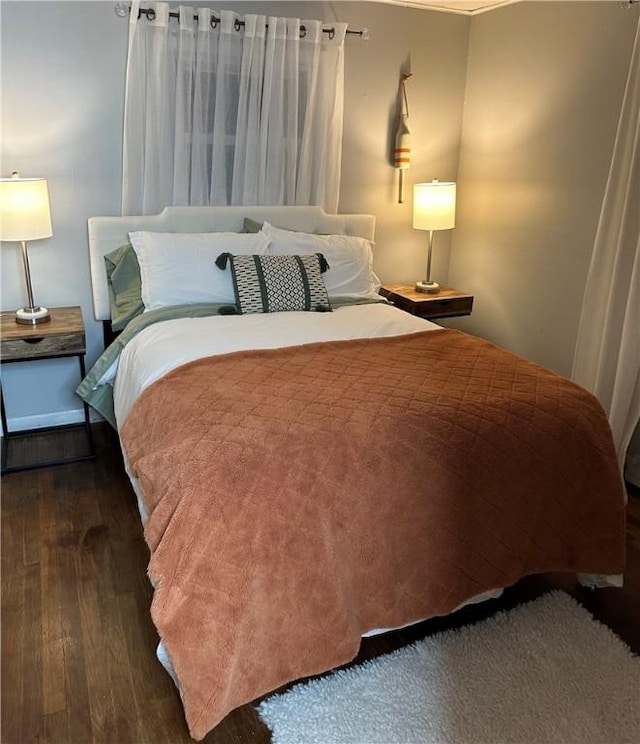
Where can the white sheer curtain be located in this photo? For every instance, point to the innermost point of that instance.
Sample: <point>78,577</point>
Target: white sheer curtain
<point>226,113</point>
<point>607,356</point>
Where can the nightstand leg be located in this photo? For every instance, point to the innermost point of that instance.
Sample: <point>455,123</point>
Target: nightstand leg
<point>87,417</point>
<point>5,432</point>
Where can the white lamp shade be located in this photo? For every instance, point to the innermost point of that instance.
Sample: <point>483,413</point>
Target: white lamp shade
<point>24,209</point>
<point>434,205</point>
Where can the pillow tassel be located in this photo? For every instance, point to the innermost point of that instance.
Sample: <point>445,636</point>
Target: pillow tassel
<point>222,260</point>
<point>324,264</point>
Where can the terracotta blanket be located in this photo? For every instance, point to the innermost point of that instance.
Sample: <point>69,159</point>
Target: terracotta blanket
<point>299,497</point>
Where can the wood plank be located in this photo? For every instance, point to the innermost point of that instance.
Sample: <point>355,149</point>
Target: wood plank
<point>75,671</point>
<point>94,644</point>
<point>146,672</point>
<point>118,669</point>
<point>53,691</point>
<point>32,726</point>
<point>12,608</point>
<point>31,523</point>
<point>12,671</point>
<point>66,485</point>
<point>56,728</point>
<point>52,526</point>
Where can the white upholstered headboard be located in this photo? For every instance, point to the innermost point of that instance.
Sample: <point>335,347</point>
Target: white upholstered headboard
<point>108,233</point>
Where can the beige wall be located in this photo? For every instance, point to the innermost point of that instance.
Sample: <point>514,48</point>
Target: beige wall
<point>434,46</point>
<point>544,89</point>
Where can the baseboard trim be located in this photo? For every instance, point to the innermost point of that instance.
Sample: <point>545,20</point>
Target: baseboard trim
<point>44,420</point>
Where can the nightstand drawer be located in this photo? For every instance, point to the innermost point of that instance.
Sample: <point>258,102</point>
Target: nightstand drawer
<point>42,346</point>
<point>449,306</point>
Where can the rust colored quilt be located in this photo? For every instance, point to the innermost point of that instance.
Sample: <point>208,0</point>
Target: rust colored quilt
<point>300,497</point>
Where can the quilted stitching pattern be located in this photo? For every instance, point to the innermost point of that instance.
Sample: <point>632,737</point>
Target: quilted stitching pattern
<point>309,494</point>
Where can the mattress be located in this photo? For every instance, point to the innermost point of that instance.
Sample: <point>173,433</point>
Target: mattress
<point>402,521</point>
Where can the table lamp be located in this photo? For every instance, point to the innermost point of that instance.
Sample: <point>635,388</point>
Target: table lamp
<point>25,215</point>
<point>434,208</point>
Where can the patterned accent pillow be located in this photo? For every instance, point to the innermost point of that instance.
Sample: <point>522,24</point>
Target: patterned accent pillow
<point>273,284</point>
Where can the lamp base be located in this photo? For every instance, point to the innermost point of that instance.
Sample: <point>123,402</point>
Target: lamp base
<point>428,287</point>
<point>32,315</point>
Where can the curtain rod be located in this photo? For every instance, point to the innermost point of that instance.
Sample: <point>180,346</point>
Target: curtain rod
<point>122,9</point>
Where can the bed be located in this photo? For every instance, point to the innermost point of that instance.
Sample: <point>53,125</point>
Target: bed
<point>311,475</point>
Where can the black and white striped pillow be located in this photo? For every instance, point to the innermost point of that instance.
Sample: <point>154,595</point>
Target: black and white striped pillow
<point>273,284</point>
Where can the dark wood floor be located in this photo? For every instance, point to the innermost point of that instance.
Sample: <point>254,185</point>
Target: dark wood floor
<point>78,646</point>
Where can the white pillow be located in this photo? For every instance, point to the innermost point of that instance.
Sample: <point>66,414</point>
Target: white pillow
<point>350,259</point>
<point>180,269</point>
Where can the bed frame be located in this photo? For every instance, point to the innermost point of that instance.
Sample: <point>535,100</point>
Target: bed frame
<point>108,233</point>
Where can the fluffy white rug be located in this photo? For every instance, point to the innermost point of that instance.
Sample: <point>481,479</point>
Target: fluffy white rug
<point>546,671</point>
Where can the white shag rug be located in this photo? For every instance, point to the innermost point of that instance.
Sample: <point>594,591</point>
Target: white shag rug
<point>544,672</point>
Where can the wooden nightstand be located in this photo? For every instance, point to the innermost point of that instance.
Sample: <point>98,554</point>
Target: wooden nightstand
<point>62,336</point>
<point>447,303</point>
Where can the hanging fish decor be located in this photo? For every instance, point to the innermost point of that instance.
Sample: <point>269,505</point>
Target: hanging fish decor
<point>402,152</point>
